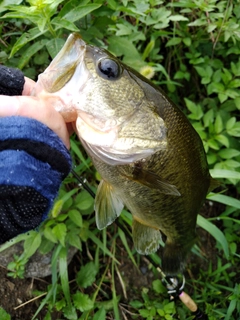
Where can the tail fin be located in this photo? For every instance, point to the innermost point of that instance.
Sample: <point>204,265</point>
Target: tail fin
<point>174,257</point>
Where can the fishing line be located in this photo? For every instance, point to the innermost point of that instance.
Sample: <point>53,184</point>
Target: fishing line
<point>174,284</point>
<point>83,183</point>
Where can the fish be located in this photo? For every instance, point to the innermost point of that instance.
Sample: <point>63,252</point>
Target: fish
<point>150,158</point>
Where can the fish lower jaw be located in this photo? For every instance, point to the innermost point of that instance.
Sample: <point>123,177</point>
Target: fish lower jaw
<point>94,136</point>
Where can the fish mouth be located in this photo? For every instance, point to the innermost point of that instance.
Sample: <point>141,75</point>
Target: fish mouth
<point>64,65</point>
<point>57,84</point>
<point>96,123</point>
<point>96,131</point>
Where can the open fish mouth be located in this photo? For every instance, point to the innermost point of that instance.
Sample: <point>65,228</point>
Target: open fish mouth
<point>58,84</point>
<point>64,65</point>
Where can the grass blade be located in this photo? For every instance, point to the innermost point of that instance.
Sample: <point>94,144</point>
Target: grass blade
<point>215,232</point>
<point>63,272</point>
<point>221,198</point>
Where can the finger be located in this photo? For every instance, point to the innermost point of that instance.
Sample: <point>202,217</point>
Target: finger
<point>28,86</point>
<point>32,107</point>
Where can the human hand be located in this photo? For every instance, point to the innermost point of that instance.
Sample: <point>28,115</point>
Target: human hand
<point>39,109</point>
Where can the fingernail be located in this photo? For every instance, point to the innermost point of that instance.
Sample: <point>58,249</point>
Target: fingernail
<point>8,106</point>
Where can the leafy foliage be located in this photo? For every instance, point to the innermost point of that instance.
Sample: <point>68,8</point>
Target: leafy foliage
<point>189,48</point>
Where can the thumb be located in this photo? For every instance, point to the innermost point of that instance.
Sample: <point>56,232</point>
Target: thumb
<point>31,107</point>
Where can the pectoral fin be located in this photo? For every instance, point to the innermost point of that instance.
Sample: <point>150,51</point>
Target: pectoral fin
<point>107,205</point>
<point>152,180</point>
<point>146,239</point>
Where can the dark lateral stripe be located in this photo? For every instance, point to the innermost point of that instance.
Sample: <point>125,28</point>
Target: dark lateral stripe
<point>40,151</point>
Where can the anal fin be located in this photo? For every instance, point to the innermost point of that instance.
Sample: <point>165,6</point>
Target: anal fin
<point>107,205</point>
<point>146,239</point>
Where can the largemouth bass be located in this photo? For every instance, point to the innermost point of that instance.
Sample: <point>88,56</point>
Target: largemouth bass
<point>150,158</point>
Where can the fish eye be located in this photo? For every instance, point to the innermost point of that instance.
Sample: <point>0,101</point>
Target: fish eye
<point>109,69</point>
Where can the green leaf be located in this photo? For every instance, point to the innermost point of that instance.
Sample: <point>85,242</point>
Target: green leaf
<point>20,15</point>
<point>215,87</point>
<point>195,109</point>
<point>121,46</point>
<point>169,308</point>
<point>5,3</point>
<point>231,164</point>
<point>46,246</point>
<point>86,276</point>
<point>228,153</point>
<point>178,17</point>
<point>32,243</point>
<point>32,50</point>
<point>208,118</point>
<point>223,140</point>
<point>198,22</point>
<point>217,76</point>
<point>70,312</point>
<point>56,210</point>
<point>82,301</point>
<point>187,41</point>
<point>63,23</point>
<point>60,231</point>
<point>230,123</point>
<point>137,304</point>
<point>100,314</point>
<point>215,232</point>
<point>179,75</point>
<point>74,240</point>
<point>49,7</point>
<point>48,234</point>
<point>173,41</point>
<point>60,304</point>
<point>123,30</point>
<point>84,202</point>
<point>211,158</point>
<point>41,58</point>
<point>76,217</point>
<point>234,83</point>
<point>237,102</point>
<point>4,315</point>
<point>222,173</point>
<point>144,313</point>
<point>226,76</point>
<point>158,286</point>
<point>213,144</point>
<point>148,49</point>
<point>235,130</point>
<point>80,11</point>
<point>25,38</point>
<point>68,195</point>
<point>218,124</point>
<point>54,46</point>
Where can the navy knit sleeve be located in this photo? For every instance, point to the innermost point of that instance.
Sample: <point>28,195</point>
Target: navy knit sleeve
<point>33,163</point>
<point>11,81</point>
